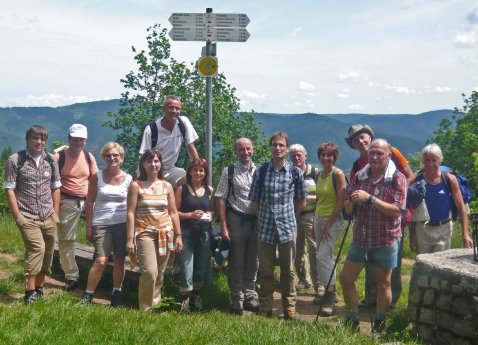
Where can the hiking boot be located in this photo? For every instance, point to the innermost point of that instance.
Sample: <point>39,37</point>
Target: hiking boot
<point>318,299</point>
<point>301,286</point>
<point>86,300</point>
<point>320,291</point>
<point>265,313</point>
<point>30,297</point>
<point>195,302</point>
<point>40,292</point>
<point>352,324</point>
<point>251,304</point>
<point>117,299</point>
<point>291,314</point>
<point>185,309</point>
<point>237,311</point>
<point>71,285</point>
<point>328,308</point>
<point>378,326</point>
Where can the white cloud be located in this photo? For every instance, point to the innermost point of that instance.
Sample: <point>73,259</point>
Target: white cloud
<point>253,95</point>
<point>296,31</point>
<point>466,39</point>
<point>373,84</point>
<point>441,89</point>
<point>475,89</point>
<point>305,86</point>
<point>352,75</point>
<point>355,107</point>
<point>50,100</point>
<point>343,95</point>
<point>400,89</point>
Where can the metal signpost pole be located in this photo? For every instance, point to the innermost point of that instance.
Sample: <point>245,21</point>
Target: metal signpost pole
<point>209,114</point>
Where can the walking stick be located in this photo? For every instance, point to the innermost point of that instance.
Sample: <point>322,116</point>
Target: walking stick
<point>333,269</point>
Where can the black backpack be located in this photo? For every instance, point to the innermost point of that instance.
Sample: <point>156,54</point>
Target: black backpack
<point>263,170</point>
<point>154,131</point>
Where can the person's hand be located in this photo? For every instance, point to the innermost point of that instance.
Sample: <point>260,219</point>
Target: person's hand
<point>225,234</point>
<point>131,248</point>
<point>178,243</point>
<point>89,236</point>
<point>467,242</point>
<point>325,235</point>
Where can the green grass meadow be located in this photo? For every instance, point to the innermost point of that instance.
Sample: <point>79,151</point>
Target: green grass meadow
<point>59,320</point>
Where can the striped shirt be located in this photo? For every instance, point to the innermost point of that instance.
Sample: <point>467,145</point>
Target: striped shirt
<point>151,216</point>
<point>276,214</point>
<point>33,185</point>
<point>372,228</point>
<point>241,184</point>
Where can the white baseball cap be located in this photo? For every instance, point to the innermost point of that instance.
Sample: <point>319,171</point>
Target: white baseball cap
<point>78,131</point>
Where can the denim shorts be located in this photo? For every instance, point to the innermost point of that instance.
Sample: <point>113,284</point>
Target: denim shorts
<point>383,257</point>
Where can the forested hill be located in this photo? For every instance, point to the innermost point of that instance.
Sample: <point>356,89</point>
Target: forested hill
<point>407,132</point>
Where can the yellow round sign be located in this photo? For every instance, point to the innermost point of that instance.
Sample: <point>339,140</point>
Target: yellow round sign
<point>207,66</point>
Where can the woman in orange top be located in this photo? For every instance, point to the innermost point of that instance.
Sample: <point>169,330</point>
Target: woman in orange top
<point>153,226</point>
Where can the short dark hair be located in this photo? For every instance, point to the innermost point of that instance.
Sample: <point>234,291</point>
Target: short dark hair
<point>279,134</point>
<point>328,146</point>
<point>36,130</point>
<point>147,155</point>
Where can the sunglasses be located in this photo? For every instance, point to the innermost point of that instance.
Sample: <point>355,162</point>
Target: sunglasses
<point>112,155</point>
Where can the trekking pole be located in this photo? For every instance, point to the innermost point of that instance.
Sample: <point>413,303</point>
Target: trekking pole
<point>335,265</point>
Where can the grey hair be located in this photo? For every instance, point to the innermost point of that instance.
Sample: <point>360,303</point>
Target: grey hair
<point>297,147</point>
<point>389,147</point>
<point>173,97</point>
<point>434,150</point>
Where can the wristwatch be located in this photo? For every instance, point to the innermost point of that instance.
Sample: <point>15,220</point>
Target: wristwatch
<point>371,200</point>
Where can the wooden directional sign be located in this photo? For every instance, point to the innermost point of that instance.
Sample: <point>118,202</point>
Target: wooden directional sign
<point>213,27</point>
<point>226,20</point>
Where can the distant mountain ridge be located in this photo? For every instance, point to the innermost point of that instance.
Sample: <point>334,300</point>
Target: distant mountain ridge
<point>406,131</point>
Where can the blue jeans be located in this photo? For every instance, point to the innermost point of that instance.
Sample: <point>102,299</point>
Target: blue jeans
<point>193,260</point>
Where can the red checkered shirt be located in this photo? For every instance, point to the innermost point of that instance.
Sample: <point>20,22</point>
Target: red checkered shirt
<point>372,228</point>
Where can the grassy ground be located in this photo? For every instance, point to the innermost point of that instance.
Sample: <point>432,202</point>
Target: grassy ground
<point>58,319</point>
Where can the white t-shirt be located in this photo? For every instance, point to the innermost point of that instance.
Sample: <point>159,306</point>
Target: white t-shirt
<point>169,143</point>
<point>110,203</point>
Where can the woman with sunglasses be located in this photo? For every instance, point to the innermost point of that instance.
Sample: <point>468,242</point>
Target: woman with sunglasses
<point>106,221</point>
<point>195,202</point>
<point>153,226</point>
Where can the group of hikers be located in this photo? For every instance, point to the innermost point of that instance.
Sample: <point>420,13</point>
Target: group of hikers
<point>270,214</point>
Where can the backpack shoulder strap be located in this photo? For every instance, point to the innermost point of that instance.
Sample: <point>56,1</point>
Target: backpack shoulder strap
<point>61,159</point>
<point>154,133</point>
<point>51,159</point>
<point>22,157</point>
<point>262,176</point>
<point>88,157</point>
<point>446,180</point>
<point>334,178</point>
<point>230,177</point>
<point>182,128</point>
<point>356,166</point>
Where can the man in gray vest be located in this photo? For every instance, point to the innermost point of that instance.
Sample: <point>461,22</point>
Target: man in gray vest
<point>239,225</point>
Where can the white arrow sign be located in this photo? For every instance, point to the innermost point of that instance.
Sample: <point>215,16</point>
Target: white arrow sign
<point>210,34</point>
<point>181,20</point>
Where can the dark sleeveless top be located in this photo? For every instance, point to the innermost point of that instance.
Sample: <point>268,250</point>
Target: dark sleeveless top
<point>190,203</point>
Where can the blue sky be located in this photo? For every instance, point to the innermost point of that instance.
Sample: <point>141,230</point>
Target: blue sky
<point>395,56</point>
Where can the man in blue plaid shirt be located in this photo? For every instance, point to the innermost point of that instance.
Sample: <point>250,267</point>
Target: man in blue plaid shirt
<point>278,194</point>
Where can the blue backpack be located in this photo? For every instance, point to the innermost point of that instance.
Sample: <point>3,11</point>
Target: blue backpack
<point>462,182</point>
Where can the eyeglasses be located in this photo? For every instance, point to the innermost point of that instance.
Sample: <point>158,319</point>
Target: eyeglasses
<point>112,155</point>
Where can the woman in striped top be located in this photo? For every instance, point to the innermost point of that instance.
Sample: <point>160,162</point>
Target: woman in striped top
<point>153,226</point>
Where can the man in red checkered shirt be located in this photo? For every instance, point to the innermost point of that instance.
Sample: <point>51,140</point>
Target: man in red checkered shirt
<point>379,194</point>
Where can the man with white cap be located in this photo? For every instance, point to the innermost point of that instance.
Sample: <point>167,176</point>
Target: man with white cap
<point>77,166</point>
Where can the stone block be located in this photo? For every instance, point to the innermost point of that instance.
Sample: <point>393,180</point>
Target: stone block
<point>444,302</point>
<point>427,316</point>
<point>464,328</point>
<point>457,290</point>
<point>429,297</point>
<point>435,283</point>
<point>444,338</point>
<point>426,332</point>
<point>462,306</point>
<point>422,281</point>
<point>445,321</point>
<point>415,295</point>
<point>445,285</point>
<point>412,312</point>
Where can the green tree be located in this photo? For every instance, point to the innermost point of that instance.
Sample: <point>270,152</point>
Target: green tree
<point>6,152</point>
<point>159,75</point>
<point>458,139</point>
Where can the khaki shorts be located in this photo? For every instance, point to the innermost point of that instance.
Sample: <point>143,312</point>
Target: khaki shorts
<point>174,175</point>
<point>109,239</point>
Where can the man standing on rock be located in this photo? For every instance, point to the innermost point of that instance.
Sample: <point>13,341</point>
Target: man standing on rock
<point>32,186</point>
<point>77,166</point>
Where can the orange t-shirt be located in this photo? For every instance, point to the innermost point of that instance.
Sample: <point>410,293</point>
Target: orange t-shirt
<point>76,174</point>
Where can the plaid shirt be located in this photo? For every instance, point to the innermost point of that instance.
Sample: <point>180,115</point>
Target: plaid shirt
<point>276,214</point>
<point>33,186</point>
<point>372,228</point>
